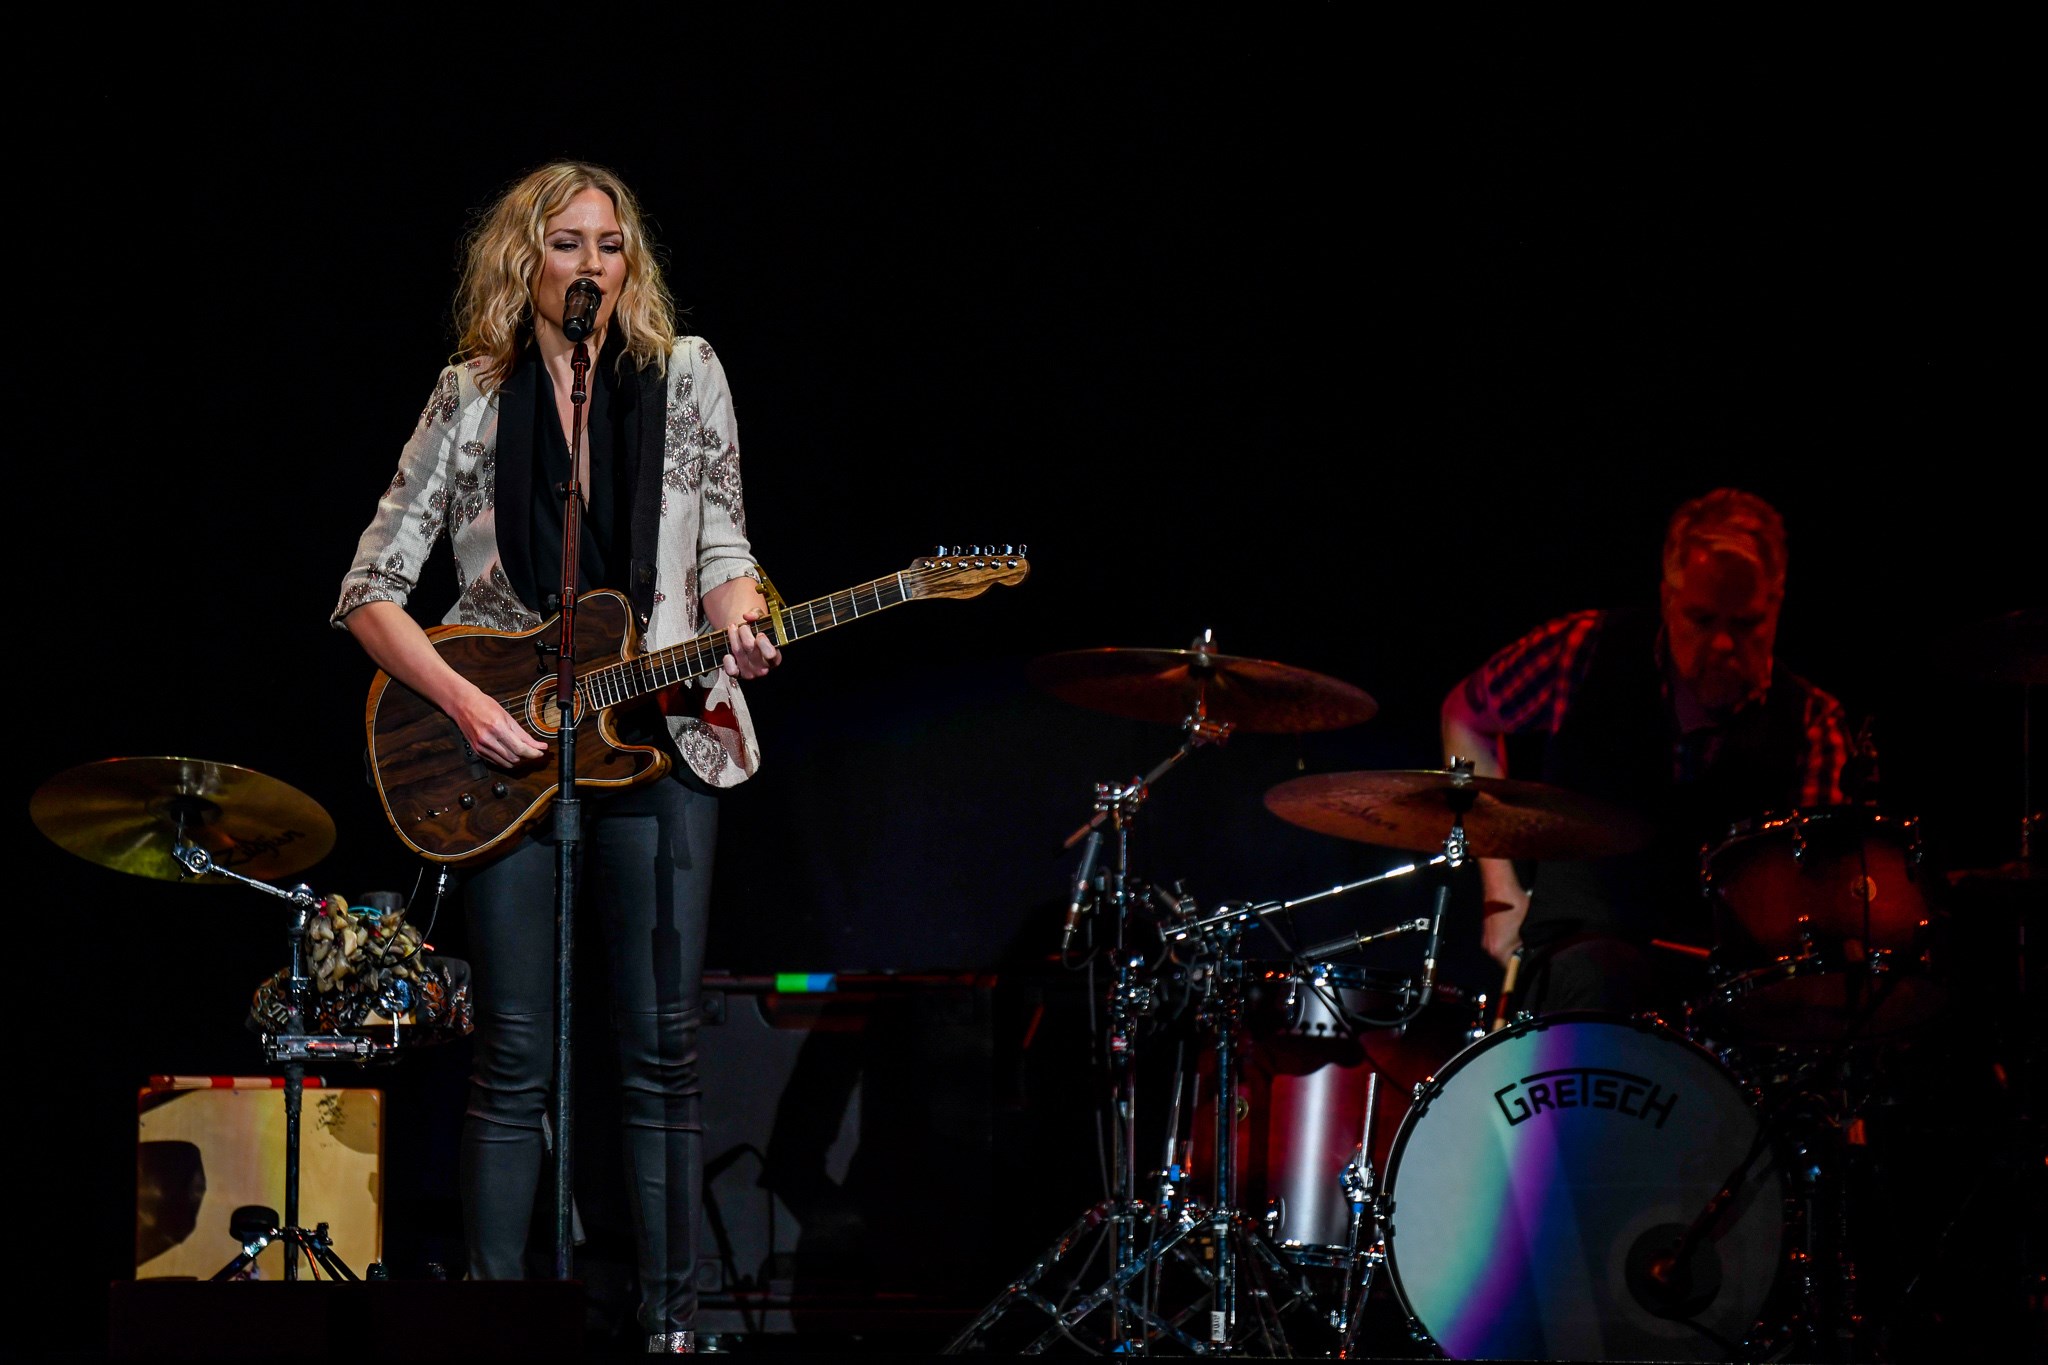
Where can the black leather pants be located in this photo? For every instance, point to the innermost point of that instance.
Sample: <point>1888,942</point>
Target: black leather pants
<point>647,875</point>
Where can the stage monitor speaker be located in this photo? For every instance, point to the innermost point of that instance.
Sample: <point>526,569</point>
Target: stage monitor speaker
<point>208,1145</point>
<point>847,1151</point>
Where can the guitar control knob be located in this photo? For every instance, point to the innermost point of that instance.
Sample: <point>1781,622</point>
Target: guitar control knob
<point>468,801</point>
<point>499,789</point>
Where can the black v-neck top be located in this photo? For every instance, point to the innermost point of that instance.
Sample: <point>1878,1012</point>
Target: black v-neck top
<point>610,407</point>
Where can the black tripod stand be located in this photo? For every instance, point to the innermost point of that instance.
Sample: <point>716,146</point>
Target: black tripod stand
<point>1122,1212</point>
<point>255,1226</point>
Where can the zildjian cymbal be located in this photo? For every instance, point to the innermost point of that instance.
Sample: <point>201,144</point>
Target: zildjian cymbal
<point>1415,808</point>
<point>1169,684</point>
<point>129,813</point>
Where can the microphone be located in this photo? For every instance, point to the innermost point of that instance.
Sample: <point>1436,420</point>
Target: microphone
<point>1349,941</point>
<point>1088,852</point>
<point>1436,928</point>
<point>579,309</point>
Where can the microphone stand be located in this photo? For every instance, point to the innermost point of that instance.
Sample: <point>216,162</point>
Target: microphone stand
<point>568,822</point>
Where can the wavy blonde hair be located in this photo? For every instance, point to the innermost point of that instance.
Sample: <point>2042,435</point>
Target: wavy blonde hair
<point>502,262</point>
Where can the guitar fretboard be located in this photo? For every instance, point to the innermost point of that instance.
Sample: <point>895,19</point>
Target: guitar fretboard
<point>662,668</point>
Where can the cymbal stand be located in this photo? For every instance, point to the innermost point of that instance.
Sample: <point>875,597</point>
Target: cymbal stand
<point>1361,1184</point>
<point>1129,998</point>
<point>292,1050</point>
<point>1109,801</point>
<point>1232,1236</point>
<point>1230,1231</point>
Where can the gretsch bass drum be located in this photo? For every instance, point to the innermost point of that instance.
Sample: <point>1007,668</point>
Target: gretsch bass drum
<point>1543,1182</point>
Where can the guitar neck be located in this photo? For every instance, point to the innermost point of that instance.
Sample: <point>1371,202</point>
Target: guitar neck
<point>630,679</point>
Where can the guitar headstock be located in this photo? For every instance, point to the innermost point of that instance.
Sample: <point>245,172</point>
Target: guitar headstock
<point>966,570</point>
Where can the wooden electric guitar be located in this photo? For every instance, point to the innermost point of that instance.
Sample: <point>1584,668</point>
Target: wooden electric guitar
<point>450,805</point>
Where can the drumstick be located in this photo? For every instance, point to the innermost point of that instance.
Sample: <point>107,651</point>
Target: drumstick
<point>1372,1104</point>
<point>1505,1008</point>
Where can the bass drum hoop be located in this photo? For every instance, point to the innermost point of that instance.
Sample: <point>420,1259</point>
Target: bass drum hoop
<point>1428,1092</point>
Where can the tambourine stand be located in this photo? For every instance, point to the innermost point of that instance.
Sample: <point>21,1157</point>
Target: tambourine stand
<point>291,1050</point>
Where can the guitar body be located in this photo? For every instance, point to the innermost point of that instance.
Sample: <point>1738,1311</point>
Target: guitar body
<point>451,806</point>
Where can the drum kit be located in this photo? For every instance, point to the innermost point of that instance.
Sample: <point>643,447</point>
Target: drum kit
<point>1345,1139</point>
<point>360,985</point>
<point>1363,1155</point>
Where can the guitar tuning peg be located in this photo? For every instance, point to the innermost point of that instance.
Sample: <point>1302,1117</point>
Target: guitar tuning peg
<point>1024,551</point>
<point>939,551</point>
<point>956,551</point>
<point>974,549</point>
<point>1006,550</point>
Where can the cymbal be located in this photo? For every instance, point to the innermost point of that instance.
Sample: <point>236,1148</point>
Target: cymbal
<point>2012,648</point>
<point>1164,684</point>
<point>1413,809</point>
<point>126,813</point>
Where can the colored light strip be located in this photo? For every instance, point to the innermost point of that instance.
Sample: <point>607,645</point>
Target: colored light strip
<point>805,983</point>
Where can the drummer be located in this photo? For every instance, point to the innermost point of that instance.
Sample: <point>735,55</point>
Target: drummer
<point>1679,714</point>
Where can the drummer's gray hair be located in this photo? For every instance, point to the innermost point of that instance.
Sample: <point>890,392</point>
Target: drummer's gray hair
<point>1730,520</point>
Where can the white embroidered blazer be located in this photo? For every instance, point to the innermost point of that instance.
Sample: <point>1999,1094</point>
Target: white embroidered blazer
<point>447,482</point>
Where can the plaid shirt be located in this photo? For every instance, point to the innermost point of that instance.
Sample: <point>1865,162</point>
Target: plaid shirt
<point>1530,685</point>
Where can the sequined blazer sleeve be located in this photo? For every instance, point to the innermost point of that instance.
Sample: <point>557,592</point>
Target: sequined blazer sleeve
<point>413,512</point>
<point>703,543</point>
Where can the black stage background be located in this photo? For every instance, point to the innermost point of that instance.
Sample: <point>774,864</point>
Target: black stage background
<point>1365,351</point>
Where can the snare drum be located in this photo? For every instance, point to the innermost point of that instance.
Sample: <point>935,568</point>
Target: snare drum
<point>1823,929</point>
<point>1540,1175</point>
